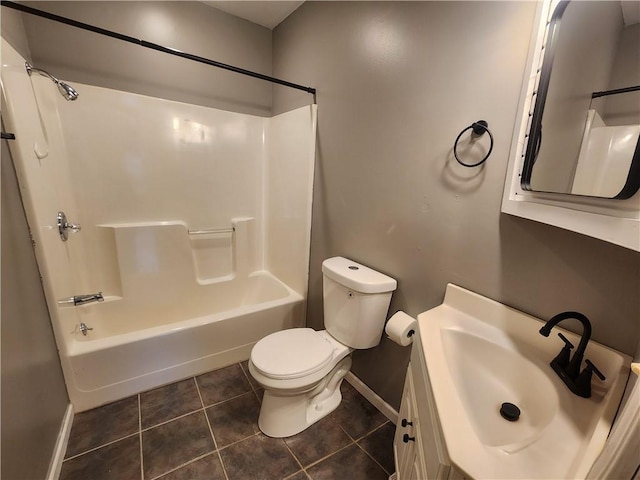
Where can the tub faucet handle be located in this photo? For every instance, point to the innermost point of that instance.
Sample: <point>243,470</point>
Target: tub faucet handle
<point>84,328</point>
<point>64,226</point>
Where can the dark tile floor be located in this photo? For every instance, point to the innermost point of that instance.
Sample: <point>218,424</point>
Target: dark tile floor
<point>205,428</point>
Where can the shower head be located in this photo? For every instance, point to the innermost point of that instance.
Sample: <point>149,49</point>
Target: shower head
<point>67,91</point>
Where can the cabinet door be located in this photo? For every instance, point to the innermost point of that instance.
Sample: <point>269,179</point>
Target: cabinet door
<point>418,471</point>
<point>435,458</point>
<point>404,452</point>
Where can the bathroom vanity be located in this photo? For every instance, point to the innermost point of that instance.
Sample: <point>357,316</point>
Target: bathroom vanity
<point>418,445</point>
<point>470,358</point>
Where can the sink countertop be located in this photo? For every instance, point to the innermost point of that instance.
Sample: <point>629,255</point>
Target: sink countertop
<point>480,353</point>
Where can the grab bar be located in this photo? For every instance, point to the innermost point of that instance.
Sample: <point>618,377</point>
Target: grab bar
<point>209,232</point>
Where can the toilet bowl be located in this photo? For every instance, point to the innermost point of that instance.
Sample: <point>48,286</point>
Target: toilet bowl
<point>301,369</point>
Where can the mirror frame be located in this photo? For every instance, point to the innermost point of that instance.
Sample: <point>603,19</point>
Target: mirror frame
<point>613,221</point>
<point>632,183</point>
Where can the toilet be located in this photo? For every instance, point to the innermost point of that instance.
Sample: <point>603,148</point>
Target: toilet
<point>301,369</point>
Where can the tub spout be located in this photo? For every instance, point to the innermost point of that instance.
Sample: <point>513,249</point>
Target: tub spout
<point>83,299</point>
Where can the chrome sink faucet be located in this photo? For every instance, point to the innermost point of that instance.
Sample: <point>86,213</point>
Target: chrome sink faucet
<point>567,367</point>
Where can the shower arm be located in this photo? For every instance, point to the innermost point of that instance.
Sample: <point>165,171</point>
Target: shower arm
<point>66,90</point>
<point>31,69</point>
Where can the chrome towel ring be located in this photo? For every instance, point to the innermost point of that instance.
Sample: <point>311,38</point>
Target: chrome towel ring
<point>479,128</point>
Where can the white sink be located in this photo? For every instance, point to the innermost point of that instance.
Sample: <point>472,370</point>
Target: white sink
<point>481,354</point>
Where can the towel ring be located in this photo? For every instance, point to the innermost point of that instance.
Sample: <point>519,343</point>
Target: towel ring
<point>479,128</point>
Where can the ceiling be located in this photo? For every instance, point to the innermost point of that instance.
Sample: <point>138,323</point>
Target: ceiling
<point>269,13</point>
<point>266,12</point>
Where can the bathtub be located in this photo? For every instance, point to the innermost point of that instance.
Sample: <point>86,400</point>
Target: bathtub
<point>195,227</point>
<point>121,357</point>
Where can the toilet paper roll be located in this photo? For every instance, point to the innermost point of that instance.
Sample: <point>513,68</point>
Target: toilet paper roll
<point>401,328</point>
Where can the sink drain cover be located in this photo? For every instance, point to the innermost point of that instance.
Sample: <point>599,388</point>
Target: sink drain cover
<point>509,411</point>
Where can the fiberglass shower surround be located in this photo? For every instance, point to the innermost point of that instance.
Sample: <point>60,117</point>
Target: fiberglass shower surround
<point>195,228</point>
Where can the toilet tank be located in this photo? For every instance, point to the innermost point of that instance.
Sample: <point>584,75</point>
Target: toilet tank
<point>356,300</point>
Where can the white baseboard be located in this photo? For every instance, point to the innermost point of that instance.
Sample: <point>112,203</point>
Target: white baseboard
<point>61,445</point>
<point>364,390</point>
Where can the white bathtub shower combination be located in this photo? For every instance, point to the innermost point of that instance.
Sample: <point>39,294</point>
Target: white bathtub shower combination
<point>195,226</point>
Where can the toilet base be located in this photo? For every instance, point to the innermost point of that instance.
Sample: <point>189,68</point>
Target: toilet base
<point>283,415</point>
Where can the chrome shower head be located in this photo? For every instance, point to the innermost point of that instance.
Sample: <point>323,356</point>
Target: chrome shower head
<point>68,92</point>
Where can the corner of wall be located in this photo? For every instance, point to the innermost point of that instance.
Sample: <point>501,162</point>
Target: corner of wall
<point>14,32</point>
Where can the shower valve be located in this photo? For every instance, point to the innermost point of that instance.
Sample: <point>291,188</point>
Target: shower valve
<point>64,226</point>
<point>84,328</point>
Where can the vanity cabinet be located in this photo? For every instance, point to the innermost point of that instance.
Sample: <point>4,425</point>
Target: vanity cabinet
<point>468,359</point>
<point>418,444</point>
<point>407,443</point>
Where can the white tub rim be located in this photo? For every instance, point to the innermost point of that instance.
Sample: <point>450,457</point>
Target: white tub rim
<point>75,347</point>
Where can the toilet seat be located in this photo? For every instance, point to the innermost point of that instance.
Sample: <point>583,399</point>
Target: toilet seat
<point>291,354</point>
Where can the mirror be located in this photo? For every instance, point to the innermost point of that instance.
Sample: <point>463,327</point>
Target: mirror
<point>584,137</point>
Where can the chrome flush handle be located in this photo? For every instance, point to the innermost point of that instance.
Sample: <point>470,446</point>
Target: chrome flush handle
<point>64,227</point>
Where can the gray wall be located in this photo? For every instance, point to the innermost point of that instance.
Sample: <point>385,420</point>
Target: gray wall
<point>75,55</point>
<point>34,398</point>
<point>396,83</point>
<point>13,31</point>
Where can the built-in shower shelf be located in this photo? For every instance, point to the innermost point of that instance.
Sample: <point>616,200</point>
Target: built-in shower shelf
<point>154,256</point>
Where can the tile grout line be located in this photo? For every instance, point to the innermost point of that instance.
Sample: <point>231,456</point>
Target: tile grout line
<point>357,439</point>
<point>372,431</point>
<point>352,442</point>
<point>367,453</point>
<point>246,375</point>
<point>372,458</point>
<point>293,455</point>
<point>253,389</point>
<point>171,420</point>
<point>101,446</point>
<point>215,404</point>
<point>313,464</point>
<point>296,473</point>
<point>204,455</point>
<point>230,398</point>
<point>140,437</point>
<point>345,432</point>
<point>238,441</point>
<point>215,443</point>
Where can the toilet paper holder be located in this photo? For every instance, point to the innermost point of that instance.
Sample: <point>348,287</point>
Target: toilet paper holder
<point>401,328</point>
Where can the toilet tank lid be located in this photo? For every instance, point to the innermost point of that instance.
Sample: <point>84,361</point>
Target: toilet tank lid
<point>357,277</point>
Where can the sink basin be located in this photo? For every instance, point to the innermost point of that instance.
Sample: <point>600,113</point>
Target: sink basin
<point>481,354</point>
<point>486,375</point>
